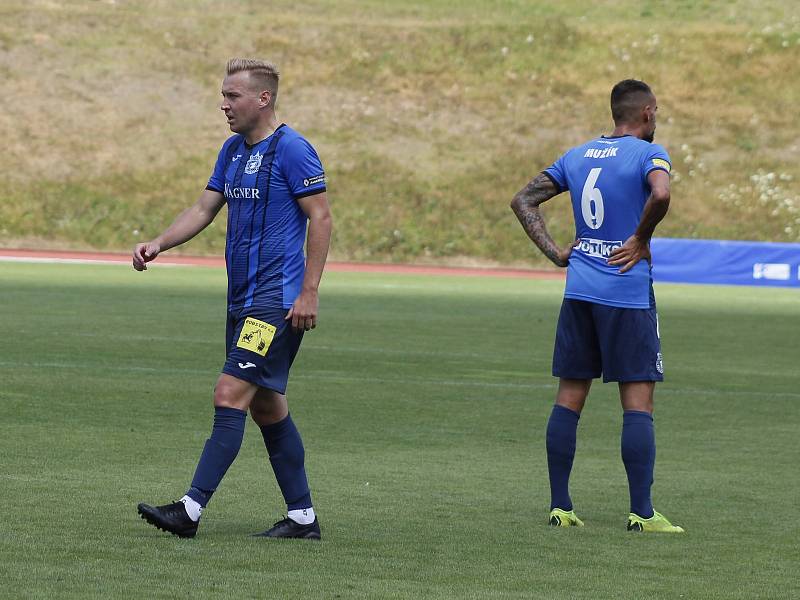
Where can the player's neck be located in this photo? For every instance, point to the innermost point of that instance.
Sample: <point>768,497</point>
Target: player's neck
<point>263,130</point>
<point>627,129</point>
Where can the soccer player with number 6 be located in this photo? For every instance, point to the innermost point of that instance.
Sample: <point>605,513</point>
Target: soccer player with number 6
<point>608,324</point>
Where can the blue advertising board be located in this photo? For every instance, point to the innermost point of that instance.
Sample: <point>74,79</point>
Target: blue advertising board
<point>726,262</point>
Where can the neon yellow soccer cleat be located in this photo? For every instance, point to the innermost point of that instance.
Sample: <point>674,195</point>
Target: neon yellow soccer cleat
<point>658,523</point>
<point>563,518</point>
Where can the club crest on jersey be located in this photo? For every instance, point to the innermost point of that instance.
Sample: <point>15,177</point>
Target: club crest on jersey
<point>253,163</point>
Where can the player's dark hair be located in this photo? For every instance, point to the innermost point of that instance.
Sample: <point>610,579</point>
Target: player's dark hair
<point>627,98</point>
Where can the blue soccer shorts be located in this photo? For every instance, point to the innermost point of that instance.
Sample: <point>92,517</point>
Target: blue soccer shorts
<point>261,347</point>
<point>622,344</point>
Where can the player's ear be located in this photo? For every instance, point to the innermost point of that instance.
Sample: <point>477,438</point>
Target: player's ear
<point>649,110</point>
<point>266,98</point>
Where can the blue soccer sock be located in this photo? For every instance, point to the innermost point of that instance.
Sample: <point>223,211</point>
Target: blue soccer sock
<point>287,455</point>
<point>218,453</point>
<point>639,456</point>
<point>562,430</point>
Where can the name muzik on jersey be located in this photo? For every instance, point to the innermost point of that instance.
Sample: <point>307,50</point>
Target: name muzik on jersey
<point>601,152</point>
<point>240,192</point>
<point>598,248</point>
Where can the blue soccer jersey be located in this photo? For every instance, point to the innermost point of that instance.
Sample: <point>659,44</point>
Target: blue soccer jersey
<point>266,226</point>
<point>607,180</point>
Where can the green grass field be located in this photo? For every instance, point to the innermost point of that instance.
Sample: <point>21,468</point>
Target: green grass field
<point>423,404</point>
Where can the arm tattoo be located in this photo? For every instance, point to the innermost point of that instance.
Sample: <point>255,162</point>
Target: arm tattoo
<point>526,207</point>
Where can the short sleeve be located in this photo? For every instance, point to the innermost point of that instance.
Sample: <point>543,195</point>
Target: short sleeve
<point>656,157</point>
<point>302,168</point>
<point>217,181</point>
<point>557,174</point>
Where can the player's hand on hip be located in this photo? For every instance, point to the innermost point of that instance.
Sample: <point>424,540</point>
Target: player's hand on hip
<point>303,313</point>
<point>630,253</point>
<point>143,254</point>
<point>564,254</point>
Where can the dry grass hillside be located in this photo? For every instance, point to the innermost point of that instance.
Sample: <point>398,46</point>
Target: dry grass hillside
<point>429,116</point>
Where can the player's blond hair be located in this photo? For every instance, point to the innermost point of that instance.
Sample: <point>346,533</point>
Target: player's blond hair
<point>264,75</point>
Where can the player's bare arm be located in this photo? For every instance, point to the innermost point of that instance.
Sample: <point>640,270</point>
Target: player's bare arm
<point>637,247</point>
<point>303,313</point>
<point>187,225</point>
<point>526,206</point>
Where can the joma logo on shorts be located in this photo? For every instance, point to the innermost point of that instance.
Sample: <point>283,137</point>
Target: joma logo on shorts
<point>240,192</point>
<point>598,248</point>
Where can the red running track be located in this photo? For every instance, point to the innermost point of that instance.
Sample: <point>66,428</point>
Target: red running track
<point>219,262</point>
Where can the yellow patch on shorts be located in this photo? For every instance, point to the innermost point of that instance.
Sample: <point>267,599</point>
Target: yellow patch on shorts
<point>256,336</point>
<point>660,162</point>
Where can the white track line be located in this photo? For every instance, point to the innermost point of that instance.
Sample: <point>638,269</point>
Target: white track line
<point>338,378</point>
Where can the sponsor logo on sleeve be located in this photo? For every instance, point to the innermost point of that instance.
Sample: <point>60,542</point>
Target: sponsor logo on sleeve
<point>308,182</point>
<point>661,163</point>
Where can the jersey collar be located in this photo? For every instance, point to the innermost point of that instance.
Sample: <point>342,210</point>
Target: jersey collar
<point>251,146</point>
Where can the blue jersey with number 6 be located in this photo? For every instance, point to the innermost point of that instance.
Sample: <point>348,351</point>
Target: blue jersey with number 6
<point>607,180</point>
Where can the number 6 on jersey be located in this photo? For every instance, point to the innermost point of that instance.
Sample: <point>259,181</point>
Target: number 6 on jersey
<point>592,200</point>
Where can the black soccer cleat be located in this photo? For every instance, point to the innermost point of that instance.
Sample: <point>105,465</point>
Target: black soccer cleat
<point>292,530</point>
<point>171,518</point>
